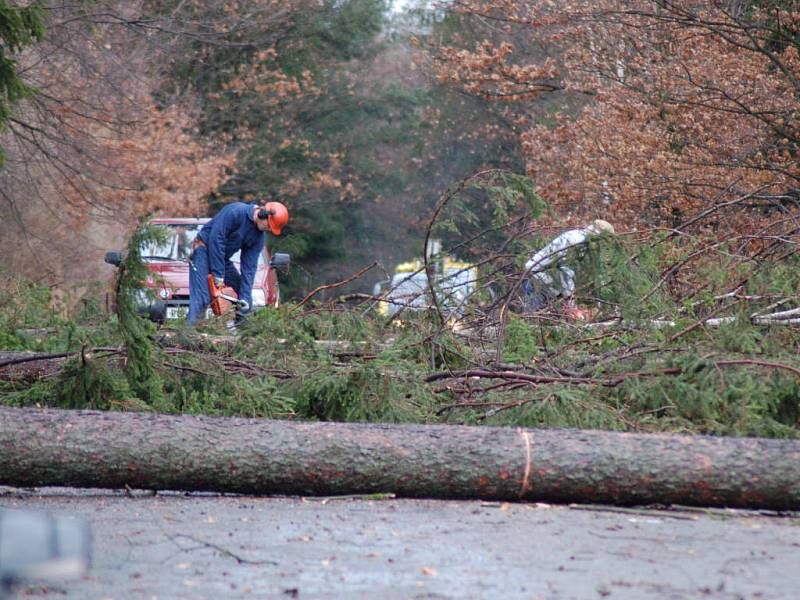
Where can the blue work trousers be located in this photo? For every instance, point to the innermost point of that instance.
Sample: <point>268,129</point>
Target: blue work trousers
<point>199,294</point>
<point>536,295</point>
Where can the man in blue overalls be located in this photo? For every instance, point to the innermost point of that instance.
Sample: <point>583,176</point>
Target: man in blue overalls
<point>238,226</point>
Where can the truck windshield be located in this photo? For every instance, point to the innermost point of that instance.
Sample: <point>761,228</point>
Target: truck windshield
<point>178,245</point>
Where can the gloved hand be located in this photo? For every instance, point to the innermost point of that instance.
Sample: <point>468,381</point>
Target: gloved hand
<point>219,282</point>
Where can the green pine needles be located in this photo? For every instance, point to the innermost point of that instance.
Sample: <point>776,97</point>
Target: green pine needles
<point>136,330</point>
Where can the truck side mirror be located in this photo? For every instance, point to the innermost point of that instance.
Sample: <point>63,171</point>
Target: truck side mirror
<point>280,260</point>
<point>114,258</point>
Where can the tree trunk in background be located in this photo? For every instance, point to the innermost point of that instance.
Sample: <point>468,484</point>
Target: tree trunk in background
<point>250,456</point>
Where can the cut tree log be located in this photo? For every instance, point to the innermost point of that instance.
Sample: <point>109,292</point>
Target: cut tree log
<point>251,456</point>
<point>29,366</point>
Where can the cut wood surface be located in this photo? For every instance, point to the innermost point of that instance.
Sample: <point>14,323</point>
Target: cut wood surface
<point>252,456</point>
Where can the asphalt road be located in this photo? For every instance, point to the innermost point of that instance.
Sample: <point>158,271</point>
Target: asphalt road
<point>176,546</point>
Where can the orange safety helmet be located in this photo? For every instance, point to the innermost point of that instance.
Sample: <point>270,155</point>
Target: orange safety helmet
<point>277,216</point>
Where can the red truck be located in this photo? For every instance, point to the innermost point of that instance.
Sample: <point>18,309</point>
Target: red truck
<point>169,263</point>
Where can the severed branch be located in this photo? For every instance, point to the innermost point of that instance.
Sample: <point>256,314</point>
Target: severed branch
<point>512,376</point>
<point>329,286</point>
<point>224,363</point>
<point>34,357</point>
<point>702,321</point>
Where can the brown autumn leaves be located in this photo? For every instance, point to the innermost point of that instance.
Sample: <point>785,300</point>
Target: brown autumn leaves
<point>678,106</point>
<point>110,133</point>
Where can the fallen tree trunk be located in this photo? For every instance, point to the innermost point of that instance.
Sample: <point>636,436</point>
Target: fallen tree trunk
<point>251,456</point>
<point>30,366</point>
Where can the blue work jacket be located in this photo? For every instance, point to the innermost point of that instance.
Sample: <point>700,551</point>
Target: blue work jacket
<point>232,229</point>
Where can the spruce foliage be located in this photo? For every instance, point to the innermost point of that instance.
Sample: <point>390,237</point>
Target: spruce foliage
<point>136,330</point>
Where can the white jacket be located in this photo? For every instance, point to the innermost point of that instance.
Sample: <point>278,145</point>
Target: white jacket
<point>557,249</point>
<point>555,252</point>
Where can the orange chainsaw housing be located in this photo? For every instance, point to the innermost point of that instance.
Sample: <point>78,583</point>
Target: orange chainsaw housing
<point>216,296</point>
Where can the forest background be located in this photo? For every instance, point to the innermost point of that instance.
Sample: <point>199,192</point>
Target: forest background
<point>174,108</point>
<point>359,114</point>
<point>502,120</point>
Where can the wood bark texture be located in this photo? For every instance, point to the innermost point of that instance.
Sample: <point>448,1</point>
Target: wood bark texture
<point>29,366</point>
<point>253,456</point>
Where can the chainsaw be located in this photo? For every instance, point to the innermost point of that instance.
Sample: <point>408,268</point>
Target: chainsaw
<point>217,295</point>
